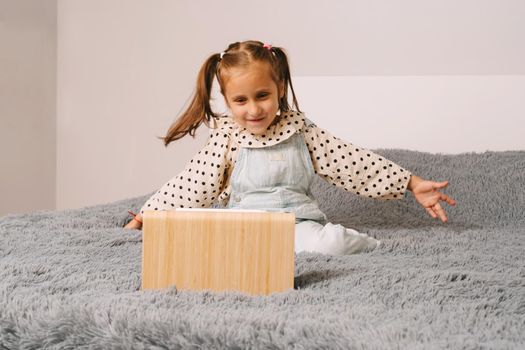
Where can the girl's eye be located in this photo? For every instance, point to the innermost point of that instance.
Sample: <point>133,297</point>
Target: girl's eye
<point>263,95</point>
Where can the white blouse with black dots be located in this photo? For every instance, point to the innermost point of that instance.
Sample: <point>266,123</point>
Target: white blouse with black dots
<point>206,177</point>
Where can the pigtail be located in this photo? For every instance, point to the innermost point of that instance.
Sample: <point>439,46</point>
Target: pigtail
<point>199,110</point>
<point>284,72</point>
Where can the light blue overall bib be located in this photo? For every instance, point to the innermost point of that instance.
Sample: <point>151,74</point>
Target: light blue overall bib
<point>278,178</point>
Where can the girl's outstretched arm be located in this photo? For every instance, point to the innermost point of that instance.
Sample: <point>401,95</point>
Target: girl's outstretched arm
<point>353,168</point>
<point>427,194</point>
<point>368,174</point>
<point>200,184</point>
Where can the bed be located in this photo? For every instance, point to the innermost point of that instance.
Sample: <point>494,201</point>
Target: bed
<point>71,279</point>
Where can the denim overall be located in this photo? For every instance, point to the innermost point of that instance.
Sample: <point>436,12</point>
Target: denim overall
<point>276,178</point>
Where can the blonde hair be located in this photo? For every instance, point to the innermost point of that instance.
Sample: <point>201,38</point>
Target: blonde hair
<point>239,54</point>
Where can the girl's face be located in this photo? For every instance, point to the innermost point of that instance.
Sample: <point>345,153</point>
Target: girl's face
<point>252,96</point>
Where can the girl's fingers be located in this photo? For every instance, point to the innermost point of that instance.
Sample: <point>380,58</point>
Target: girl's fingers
<point>432,199</point>
<point>438,185</point>
<point>436,211</point>
<point>431,212</point>
<point>447,199</point>
<point>440,212</point>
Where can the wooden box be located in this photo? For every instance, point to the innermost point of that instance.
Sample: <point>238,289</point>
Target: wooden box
<point>219,250</point>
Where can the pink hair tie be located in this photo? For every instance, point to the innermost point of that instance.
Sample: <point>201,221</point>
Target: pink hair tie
<point>268,47</point>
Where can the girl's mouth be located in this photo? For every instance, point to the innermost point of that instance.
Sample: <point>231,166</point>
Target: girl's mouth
<point>254,121</point>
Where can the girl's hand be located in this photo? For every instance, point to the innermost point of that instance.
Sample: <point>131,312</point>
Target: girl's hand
<point>427,194</point>
<point>135,224</point>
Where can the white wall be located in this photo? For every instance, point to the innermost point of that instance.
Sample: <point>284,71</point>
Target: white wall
<point>438,114</point>
<point>126,67</point>
<point>27,105</point>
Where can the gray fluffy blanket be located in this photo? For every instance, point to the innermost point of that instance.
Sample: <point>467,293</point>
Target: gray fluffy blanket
<point>71,279</point>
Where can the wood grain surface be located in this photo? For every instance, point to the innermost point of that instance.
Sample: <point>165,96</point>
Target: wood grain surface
<point>219,250</point>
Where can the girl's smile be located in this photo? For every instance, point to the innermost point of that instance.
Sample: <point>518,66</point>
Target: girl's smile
<point>255,121</point>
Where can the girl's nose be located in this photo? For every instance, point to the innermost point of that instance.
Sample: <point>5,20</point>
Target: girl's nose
<point>254,109</point>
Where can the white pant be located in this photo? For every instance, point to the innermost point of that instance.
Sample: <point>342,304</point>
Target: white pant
<point>310,236</point>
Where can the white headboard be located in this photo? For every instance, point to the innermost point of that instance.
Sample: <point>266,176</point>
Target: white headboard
<point>439,114</point>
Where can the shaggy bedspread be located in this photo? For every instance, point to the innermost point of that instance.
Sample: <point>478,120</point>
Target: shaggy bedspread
<point>71,279</point>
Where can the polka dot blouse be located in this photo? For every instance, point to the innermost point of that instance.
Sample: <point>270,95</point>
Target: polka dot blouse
<point>206,177</point>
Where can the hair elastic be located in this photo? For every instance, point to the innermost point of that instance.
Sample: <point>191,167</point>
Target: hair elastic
<point>268,47</point>
<point>134,216</point>
<point>222,54</point>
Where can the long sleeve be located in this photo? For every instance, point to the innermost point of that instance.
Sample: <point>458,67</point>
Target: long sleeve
<point>353,168</point>
<point>200,183</point>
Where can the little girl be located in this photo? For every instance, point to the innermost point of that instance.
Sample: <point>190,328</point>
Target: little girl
<point>265,155</point>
